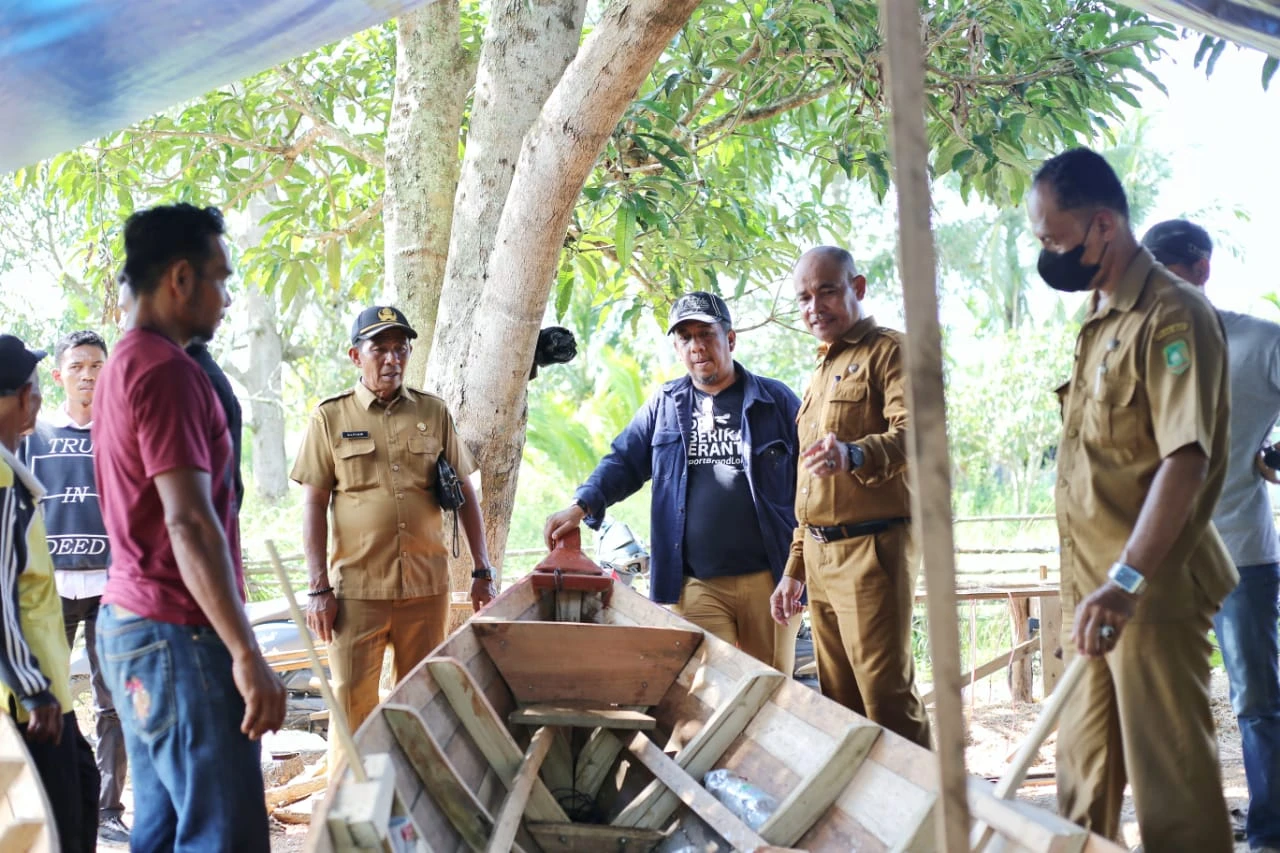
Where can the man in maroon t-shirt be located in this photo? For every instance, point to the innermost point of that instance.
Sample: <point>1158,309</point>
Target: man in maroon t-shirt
<point>192,689</point>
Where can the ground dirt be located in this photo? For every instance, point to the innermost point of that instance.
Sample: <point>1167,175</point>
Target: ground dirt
<point>996,727</point>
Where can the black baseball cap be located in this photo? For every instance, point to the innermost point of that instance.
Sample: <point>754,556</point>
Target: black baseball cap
<point>698,305</point>
<point>16,363</point>
<point>377,319</point>
<point>1177,241</point>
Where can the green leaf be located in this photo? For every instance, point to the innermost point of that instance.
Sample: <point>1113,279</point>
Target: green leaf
<point>333,263</point>
<point>963,156</point>
<point>1213,56</point>
<point>1269,70</point>
<point>1206,44</point>
<point>624,234</point>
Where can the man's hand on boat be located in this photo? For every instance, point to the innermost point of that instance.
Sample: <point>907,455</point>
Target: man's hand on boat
<point>785,601</point>
<point>482,592</point>
<point>263,693</point>
<point>562,522</point>
<point>45,725</point>
<point>322,610</point>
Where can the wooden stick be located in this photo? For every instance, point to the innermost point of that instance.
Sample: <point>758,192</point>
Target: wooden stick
<point>337,719</point>
<point>928,455</point>
<point>1045,724</point>
<point>507,821</point>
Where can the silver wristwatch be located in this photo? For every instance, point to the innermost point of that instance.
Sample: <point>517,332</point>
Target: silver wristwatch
<point>1127,578</point>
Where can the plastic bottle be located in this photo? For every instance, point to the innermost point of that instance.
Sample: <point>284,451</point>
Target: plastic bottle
<point>741,797</point>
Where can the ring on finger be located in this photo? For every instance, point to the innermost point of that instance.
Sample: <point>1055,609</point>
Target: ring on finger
<point>1107,633</point>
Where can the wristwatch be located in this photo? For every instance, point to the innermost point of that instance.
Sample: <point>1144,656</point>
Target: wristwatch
<point>856,456</point>
<point>1127,578</point>
<point>485,574</point>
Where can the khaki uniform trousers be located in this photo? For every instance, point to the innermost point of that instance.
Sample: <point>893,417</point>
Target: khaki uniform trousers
<point>1142,714</point>
<point>736,609</point>
<point>361,633</point>
<point>861,591</point>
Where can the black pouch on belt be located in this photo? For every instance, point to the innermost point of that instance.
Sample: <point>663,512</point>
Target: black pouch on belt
<point>449,494</point>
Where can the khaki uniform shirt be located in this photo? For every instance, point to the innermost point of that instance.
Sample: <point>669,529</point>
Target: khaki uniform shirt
<point>379,461</point>
<point>858,391</point>
<point>1150,377</point>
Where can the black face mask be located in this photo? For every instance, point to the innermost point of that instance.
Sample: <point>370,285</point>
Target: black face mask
<point>1063,270</point>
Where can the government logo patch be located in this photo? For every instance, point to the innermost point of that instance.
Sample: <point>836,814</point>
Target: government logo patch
<point>1177,357</point>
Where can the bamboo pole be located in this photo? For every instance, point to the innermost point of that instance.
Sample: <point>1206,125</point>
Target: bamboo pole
<point>337,720</point>
<point>930,461</point>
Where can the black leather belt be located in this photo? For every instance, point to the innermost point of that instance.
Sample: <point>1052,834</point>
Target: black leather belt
<point>849,531</point>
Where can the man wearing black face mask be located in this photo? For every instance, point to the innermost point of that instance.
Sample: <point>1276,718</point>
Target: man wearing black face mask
<point>1141,463</point>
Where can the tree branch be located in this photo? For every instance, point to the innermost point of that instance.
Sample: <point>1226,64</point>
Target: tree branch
<point>301,99</point>
<point>769,111</point>
<point>722,79</point>
<point>352,225</point>
<point>1056,69</point>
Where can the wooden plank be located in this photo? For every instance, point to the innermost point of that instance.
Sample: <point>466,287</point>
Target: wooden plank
<point>1051,663</point>
<point>611,665</point>
<point>809,800</point>
<point>10,769</point>
<point>655,805</point>
<point>922,833</point>
<point>1025,825</point>
<point>20,835</point>
<point>1020,685</point>
<point>581,718</point>
<point>929,460</point>
<point>596,760</point>
<point>485,727</point>
<point>362,808</point>
<point>997,663</point>
<point>286,794</point>
<point>589,838</point>
<point>692,794</point>
<point>557,769</point>
<point>509,816</point>
<point>465,812</point>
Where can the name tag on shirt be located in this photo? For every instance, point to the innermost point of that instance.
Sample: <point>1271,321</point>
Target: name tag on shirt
<point>356,433</point>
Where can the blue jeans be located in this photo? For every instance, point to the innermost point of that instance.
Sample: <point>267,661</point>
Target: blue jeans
<point>197,780</point>
<point>1246,629</point>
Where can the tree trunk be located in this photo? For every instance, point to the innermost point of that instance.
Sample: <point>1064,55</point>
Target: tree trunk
<point>433,76</point>
<point>527,46</point>
<point>262,379</point>
<point>557,156</point>
<point>266,407</point>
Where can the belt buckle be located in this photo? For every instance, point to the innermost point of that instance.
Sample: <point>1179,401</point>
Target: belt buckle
<point>818,535</point>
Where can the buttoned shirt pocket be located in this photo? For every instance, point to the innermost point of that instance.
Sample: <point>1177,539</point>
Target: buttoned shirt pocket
<point>424,450</point>
<point>668,455</point>
<point>846,412</point>
<point>1112,423</point>
<point>355,465</point>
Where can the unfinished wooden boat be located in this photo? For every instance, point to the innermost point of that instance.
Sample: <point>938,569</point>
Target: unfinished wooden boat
<point>575,715</point>
<point>26,819</point>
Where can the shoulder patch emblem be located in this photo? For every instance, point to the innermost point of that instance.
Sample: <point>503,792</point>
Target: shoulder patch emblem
<point>1172,329</point>
<point>1177,357</point>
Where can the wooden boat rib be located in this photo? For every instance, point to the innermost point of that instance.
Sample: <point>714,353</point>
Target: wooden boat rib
<point>594,731</point>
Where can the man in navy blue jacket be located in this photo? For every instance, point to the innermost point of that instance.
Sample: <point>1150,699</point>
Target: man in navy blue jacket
<point>720,446</point>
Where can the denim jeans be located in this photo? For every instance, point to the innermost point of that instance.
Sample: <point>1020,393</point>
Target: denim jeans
<point>1246,629</point>
<point>197,780</point>
<point>109,752</point>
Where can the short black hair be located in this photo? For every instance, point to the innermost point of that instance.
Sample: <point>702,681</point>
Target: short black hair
<point>1177,241</point>
<point>81,338</point>
<point>1080,178</point>
<point>156,238</point>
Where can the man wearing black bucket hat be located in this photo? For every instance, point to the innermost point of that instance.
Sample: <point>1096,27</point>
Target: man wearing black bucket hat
<point>720,447</point>
<point>34,657</point>
<point>370,457</point>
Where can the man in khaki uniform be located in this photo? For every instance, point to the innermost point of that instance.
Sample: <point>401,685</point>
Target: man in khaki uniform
<point>370,454</point>
<point>1140,467</point>
<point>853,545</point>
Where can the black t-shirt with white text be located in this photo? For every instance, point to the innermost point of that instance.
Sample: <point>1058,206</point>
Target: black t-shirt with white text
<point>722,532</point>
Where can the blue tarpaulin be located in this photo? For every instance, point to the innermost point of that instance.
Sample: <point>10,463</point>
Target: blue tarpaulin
<point>74,70</point>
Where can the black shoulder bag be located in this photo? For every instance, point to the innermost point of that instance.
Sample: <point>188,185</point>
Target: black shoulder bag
<point>448,489</point>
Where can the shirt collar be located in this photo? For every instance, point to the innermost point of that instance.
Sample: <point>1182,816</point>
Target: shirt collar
<point>1131,284</point>
<point>856,333</point>
<point>60,418</point>
<point>367,398</point>
<point>23,473</point>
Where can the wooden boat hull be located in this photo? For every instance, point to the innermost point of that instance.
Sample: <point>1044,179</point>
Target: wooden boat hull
<point>26,818</point>
<point>840,782</point>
